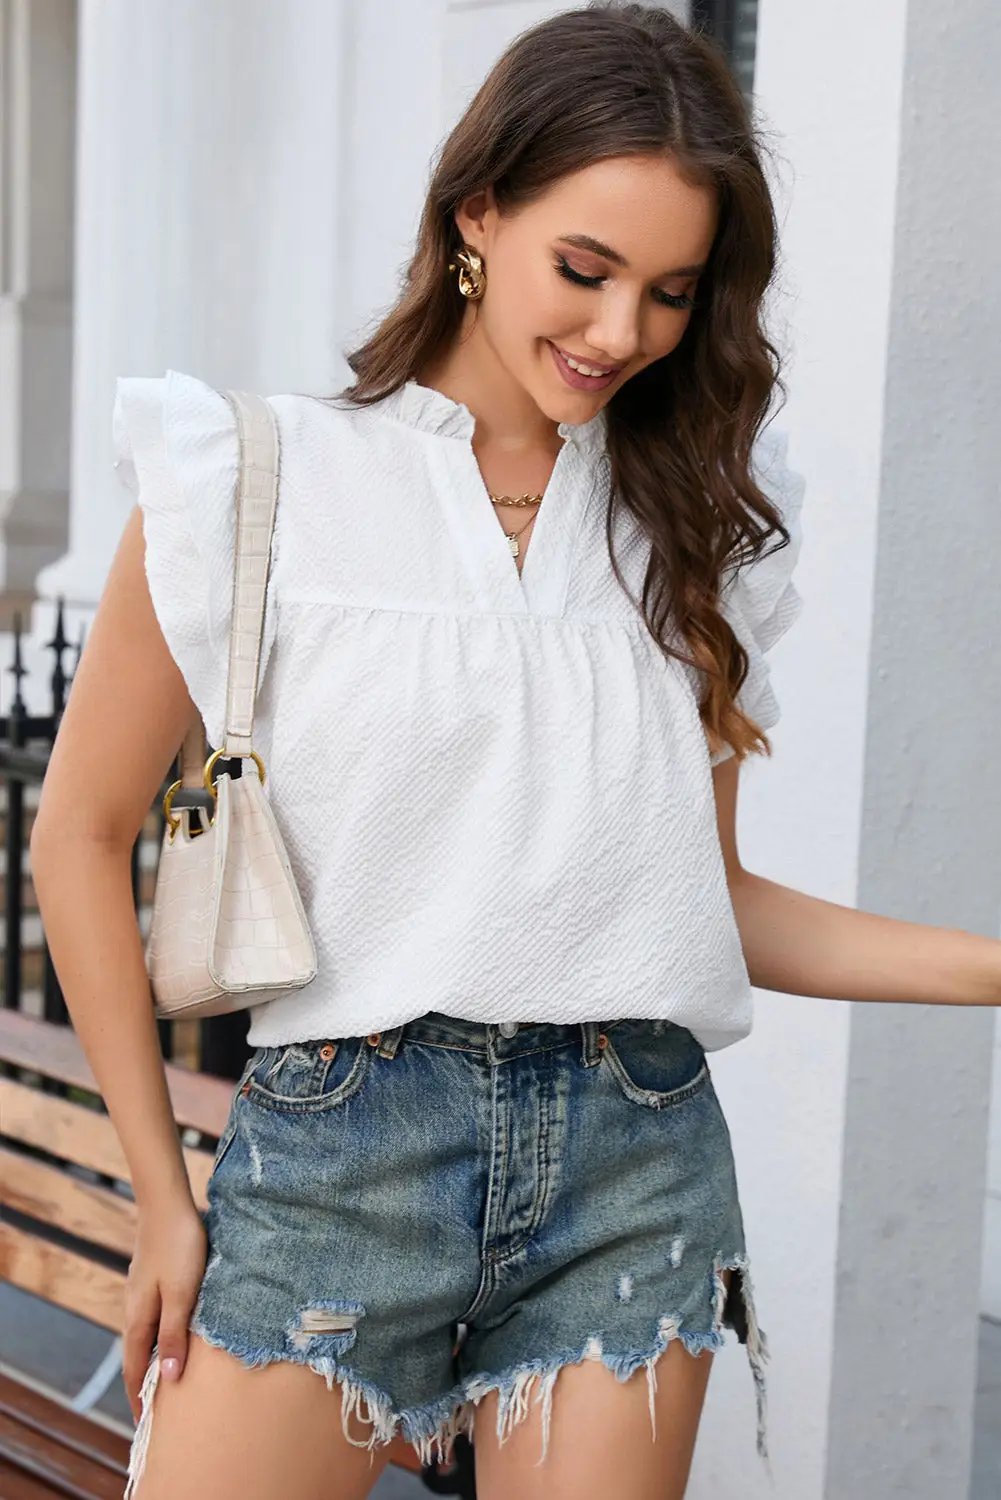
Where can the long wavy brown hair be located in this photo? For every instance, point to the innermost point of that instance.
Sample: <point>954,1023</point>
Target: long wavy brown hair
<point>680,431</point>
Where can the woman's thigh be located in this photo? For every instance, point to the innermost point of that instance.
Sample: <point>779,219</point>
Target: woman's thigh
<point>237,1433</point>
<point>600,1440</point>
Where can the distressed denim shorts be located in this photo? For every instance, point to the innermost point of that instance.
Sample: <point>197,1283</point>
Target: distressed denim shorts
<point>448,1208</point>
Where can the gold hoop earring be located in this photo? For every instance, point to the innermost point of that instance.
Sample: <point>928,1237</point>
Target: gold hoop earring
<point>472,274</point>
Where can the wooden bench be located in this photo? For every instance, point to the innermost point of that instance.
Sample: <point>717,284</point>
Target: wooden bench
<point>67,1236</point>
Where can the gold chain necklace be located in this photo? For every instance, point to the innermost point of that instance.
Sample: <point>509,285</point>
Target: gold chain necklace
<point>512,536</point>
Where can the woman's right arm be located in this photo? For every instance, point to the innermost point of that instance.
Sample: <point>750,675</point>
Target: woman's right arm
<point>125,716</point>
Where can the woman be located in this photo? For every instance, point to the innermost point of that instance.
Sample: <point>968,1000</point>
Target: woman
<point>476,1175</point>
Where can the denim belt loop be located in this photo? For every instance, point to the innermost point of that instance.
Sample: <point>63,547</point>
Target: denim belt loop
<point>590,1052</point>
<point>390,1041</point>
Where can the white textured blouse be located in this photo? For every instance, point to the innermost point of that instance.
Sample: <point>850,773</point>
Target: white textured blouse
<point>495,790</point>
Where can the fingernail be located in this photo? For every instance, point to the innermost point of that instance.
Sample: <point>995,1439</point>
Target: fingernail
<point>171,1368</point>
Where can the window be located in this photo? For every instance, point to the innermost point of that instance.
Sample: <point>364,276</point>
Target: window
<point>734,24</point>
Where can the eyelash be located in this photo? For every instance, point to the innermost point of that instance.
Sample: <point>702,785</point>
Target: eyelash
<point>667,299</point>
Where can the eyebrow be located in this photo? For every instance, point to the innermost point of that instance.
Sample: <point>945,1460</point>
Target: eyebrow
<point>598,247</point>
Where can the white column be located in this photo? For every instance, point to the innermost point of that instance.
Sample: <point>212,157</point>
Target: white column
<point>990,1293</point>
<point>250,178</point>
<point>37,90</point>
<point>209,223</point>
<point>860,1130</point>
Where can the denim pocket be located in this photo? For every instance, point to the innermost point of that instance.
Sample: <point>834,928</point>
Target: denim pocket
<point>655,1063</point>
<point>302,1077</point>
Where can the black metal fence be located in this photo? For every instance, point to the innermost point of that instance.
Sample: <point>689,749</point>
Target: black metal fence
<point>26,742</point>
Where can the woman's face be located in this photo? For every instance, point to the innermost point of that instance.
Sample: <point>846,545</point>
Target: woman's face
<point>550,293</point>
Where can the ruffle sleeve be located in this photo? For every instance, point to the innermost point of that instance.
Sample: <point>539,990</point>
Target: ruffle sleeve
<point>760,599</point>
<point>177,451</point>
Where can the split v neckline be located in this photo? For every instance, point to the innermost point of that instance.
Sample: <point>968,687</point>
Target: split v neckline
<point>540,586</point>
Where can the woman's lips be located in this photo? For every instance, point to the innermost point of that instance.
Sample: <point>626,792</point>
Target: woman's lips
<point>575,379</point>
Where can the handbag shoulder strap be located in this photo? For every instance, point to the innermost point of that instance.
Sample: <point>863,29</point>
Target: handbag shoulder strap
<point>256,504</point>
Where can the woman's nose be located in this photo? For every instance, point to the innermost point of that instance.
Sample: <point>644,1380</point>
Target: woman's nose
<point>618,335</point>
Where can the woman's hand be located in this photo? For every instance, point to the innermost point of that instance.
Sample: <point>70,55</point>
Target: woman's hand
<point>165,1275</point>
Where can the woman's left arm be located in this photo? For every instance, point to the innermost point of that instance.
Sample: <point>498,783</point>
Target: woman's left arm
<point>802,945</point>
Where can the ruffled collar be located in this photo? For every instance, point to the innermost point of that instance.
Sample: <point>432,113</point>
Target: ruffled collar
<point>432,411</point>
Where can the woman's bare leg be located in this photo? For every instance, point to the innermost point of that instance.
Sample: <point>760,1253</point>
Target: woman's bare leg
<point>600,1440</point>
<point>229,1432</point>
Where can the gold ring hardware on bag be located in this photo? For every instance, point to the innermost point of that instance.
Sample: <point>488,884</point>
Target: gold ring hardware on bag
<point>173,821</point>
<point>217,754</point>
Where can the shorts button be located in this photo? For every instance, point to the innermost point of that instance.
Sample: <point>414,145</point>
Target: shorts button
<point>374,1038</point>
<point>508,1028</point>
<point>602,1040</point>
<point>326,1052</point>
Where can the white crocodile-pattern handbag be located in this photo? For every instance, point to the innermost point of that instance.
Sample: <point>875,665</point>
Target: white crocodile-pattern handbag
<point>228,929</point>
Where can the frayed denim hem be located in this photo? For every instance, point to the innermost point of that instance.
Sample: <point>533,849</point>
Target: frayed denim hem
<point>437,1424</point>
<point>514,1386</point>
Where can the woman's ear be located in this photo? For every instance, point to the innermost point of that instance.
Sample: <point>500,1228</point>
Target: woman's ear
<point>472,216</point>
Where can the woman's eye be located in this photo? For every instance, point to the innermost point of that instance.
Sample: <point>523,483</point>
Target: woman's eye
<point>666,299</point>
<point>565,269</point>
